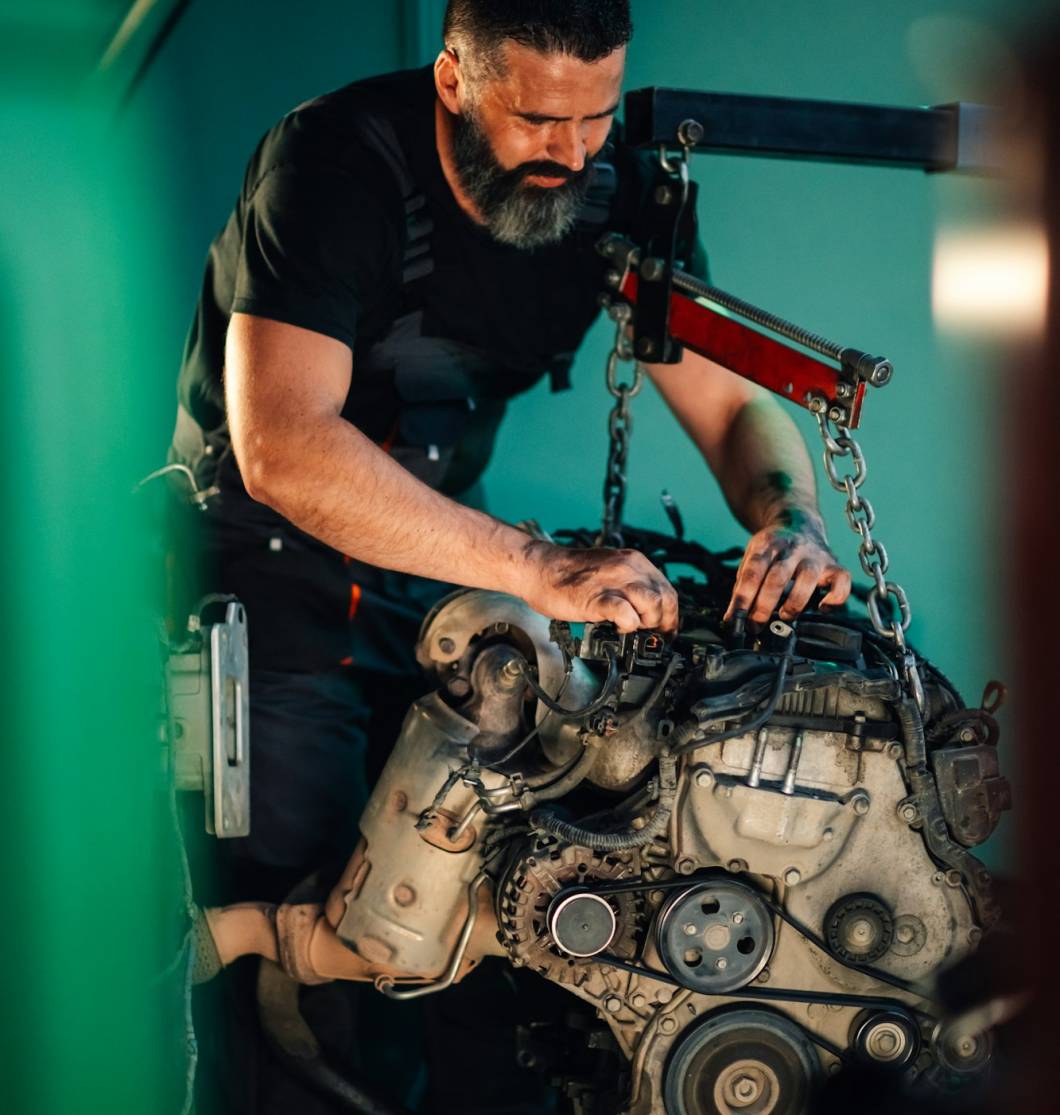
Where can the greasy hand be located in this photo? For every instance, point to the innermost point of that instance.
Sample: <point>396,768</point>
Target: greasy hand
<point>592,585</point>
<point>794,553</point>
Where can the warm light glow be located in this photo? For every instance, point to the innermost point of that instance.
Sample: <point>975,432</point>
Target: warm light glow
<point>992,280</point>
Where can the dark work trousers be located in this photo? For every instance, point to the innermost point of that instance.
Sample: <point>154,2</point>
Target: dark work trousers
<point>309,761</point>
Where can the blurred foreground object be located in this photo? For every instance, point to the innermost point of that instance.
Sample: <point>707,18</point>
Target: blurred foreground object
<point>1034,417</point>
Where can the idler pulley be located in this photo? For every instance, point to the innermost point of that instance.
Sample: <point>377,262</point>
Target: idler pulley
<point>859,928</point>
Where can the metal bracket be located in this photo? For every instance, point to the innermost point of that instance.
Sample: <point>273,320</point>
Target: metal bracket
<point>672,197</point>
<point>207,689</point>
<point>795,375</point>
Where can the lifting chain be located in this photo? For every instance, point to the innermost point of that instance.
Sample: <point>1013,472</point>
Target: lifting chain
<point>619,426</point>
<point>860,514</point>
<point>620,421</point>
<point>861,518</point>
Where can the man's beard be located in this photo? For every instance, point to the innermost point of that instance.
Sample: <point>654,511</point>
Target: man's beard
<point>516,213</point>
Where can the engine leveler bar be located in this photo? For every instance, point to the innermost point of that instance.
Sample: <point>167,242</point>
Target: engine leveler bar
<point>835,389</point>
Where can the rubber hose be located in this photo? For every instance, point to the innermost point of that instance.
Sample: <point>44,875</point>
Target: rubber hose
<point>571,833</point>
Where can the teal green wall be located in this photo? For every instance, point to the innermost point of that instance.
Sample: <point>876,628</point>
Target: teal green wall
<point>226,74</point>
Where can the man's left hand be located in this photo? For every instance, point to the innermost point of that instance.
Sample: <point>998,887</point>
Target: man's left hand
<point>779,555</point>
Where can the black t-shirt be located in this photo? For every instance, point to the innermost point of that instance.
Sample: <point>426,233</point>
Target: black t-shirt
<point>345,225</point>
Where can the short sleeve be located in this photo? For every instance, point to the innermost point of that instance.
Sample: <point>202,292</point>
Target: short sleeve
<point>318,250</point>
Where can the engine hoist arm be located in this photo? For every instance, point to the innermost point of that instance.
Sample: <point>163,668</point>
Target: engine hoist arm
<point>834,386</point>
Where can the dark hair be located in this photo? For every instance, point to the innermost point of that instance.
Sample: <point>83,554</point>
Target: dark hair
<point>586,29</point>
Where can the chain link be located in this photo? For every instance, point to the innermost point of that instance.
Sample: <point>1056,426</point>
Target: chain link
<point>872,554</point>
<point>620,420</point>
<point>619,426</point>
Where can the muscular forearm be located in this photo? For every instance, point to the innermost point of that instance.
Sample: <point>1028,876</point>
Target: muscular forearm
<point>335,484</point>
<point>750,444</point>
<point>764,470</point>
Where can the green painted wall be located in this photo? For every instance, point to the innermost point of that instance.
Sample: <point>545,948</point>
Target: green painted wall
<point>230,70</point>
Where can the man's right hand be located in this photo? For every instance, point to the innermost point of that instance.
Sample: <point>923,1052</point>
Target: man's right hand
<point>593,585</point>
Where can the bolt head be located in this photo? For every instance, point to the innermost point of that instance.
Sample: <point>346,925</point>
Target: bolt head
<point>686,866</point>
<point>704,779</point>
<point>663,195</point>
<point>880,376</point>
<point>894,751</point>
<point>835,414</point>
<point>736,865</point>
<point>690,929</point>
<point>908,812</point>
<point>792,876</point>
<point>668,1025</point>
<point>690,132</point>
<point>446,645</point>
<point>612,1004</point>
<point>721,964</point>
<point>737,918</point>
<point>652,269</point>
<point>745,1088</point>
<point>861,804</point>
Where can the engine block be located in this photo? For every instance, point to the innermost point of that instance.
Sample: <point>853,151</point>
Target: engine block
<point>748,852</point>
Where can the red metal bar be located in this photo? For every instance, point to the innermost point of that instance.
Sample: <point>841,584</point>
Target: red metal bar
<point>792,374</point>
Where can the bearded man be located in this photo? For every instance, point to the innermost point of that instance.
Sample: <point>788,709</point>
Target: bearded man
<point>407,254</point>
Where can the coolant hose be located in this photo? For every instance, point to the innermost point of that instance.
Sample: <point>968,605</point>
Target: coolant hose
<point>656,825</point>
